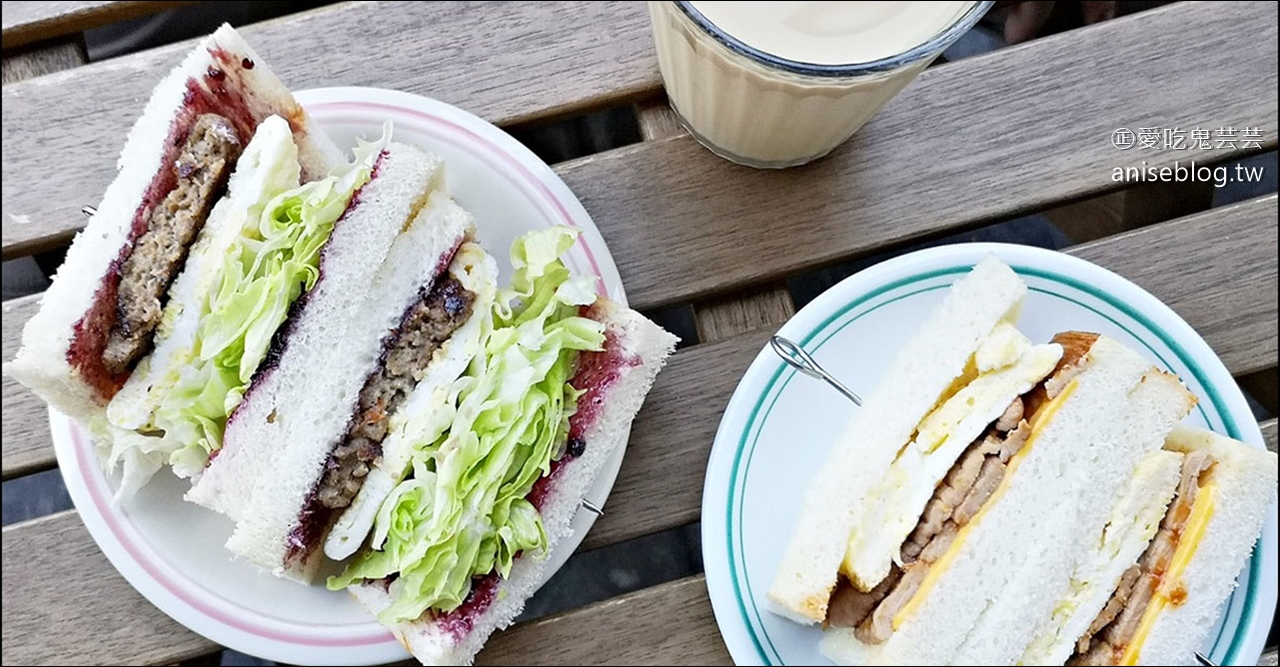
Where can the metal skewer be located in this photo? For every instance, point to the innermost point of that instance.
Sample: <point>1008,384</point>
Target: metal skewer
<point>591,507</point>
<point>88,211</point>
<point>1201,659</point>
<point>797,358</point>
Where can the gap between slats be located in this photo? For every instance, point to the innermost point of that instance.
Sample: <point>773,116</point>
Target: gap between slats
<point>27,22</point>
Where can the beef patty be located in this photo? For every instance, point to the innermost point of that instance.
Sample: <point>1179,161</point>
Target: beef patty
<point>426,325</point>
<point>203,166</point>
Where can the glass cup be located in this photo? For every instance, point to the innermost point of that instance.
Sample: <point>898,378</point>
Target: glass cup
<point>766,111</point>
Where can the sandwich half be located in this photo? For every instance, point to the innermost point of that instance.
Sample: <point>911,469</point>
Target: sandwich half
<point>317,357</point>
<point>1151,588</point>
<point>1064,547</point>
<point>1085,427</point>
<point>490,481</point>
<point>97,320</point>
<point>309,445</point>
<point>257,255</point>
<point>861,483</point>
<point>444,441</point>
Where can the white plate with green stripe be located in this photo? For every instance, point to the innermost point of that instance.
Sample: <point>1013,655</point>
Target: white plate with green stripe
<point>778,427</point>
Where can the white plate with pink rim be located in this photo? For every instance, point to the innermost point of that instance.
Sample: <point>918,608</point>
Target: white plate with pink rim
<point>172,551</point>
<point>756,474</point>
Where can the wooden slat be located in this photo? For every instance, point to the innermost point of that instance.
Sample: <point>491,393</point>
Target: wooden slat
<point>25,440</point>
<point>26,22</point>
<point>46,59</point>
<point>924,165</point>
<point>983,138</point>
<point>535,60</point>
<point>1183,261</point>
<point>65,604</point>
<point>723,318</point>
<point>671,624</point>
<point>658,120</point>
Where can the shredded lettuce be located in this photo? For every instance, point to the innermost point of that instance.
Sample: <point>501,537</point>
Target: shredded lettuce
<point>464,511</point>
<point>273,262</point>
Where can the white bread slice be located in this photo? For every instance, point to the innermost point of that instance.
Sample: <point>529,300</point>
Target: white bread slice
<point>435,643</point>
<point>920,374</point>
<point>257,178</point>
<point>1100,475</point>
<point>1072,449</point>
<point>360,240</point>
<point>325,375</point>
<point>266,95</point>
<point>477,271</point>
<point>1246,491</point>
<point>899,499</point>
<point>1133,522</point>
<point>41,363</point>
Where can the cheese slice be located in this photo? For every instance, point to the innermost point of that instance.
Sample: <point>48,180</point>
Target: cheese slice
<point>1041,419</point>
<point>1171,590</point>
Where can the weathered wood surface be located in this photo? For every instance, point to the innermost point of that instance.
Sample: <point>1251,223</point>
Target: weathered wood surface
<point>26,22</point>
<point>44,59</point>
<point>507,62</point>
<point>929,162</point>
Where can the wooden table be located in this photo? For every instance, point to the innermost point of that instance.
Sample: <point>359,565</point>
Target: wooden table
<point>985,139</point>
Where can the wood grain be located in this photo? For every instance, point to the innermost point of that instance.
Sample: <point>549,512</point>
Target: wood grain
<point>65,604</point>
<point>658,120</point>
<point>1269,433</point>
<point>721,318</point>
<point>507,62</point>
<point>44,59</point>
<point>670,624</point>
<point>25,441</point>
<point>683,223</point>
<point>26,22</point>
<point>1182,264</point>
